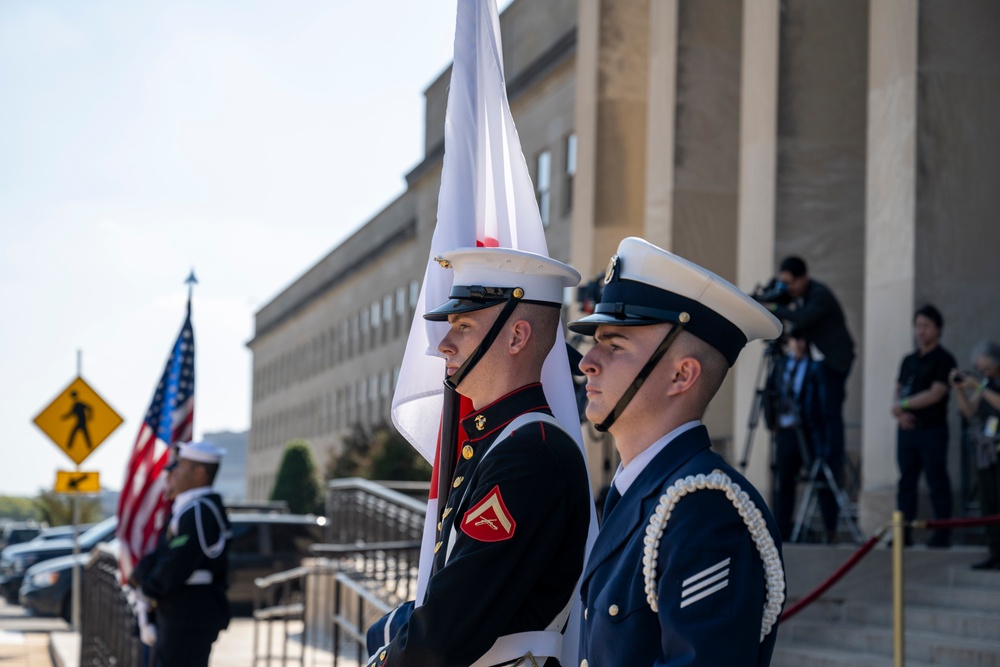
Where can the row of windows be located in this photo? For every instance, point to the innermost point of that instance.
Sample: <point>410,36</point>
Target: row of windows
<point>543,179</point>
<point>378,323</point>
<point>365,401</point>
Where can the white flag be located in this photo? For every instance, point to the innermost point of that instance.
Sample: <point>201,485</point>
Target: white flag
<point>486,199</point>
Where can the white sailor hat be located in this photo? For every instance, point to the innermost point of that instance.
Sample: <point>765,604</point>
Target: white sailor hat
<point>202,452</point>
<point>645,285</point>
<point>486,277</point>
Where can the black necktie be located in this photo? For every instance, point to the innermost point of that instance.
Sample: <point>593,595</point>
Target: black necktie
<point>610,501</point>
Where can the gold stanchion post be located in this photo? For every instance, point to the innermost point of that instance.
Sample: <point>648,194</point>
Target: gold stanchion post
<point>898,540</point>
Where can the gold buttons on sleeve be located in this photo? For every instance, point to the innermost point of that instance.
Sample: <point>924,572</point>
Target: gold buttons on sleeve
<point>458,482</point>
<point>437,547</point>
<point>439,526</point>
<point>613,610</point>
<point>468,452</point>
<point>447,511</point>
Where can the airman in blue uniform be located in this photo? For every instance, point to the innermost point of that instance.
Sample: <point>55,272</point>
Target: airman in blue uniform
<point>686,569</point>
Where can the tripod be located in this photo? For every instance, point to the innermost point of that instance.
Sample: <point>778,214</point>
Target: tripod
<point>821,477</point>
<point>763,399</point>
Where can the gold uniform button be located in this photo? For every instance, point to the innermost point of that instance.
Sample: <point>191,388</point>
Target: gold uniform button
<point>583,663</point>
<point>468,452</point>
<point>585,614</point>
<point>447,511</point>
<point>439,526</point>
<point>382,655</point>
<point>613,610</point>
<point>458,482</point>
<point>437,547</point>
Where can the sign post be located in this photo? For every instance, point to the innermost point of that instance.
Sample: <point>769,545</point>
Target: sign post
<point>78,420</point>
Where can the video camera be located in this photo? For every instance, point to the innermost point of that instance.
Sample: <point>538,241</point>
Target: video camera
<point>775,291</point>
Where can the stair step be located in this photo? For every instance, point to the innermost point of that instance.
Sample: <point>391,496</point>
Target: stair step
<point>804,656</point>
<point>982,579</point>
<point>936,648</point>
<point>974,624</point>
<point>953,597</point>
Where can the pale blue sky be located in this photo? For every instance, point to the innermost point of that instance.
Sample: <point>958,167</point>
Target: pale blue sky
<point>139,139</point>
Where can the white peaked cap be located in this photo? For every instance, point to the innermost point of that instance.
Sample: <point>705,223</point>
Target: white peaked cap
<point>646,285</point>
<point>486,277</point>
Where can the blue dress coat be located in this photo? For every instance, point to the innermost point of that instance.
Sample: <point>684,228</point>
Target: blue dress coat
<point>710,577</point>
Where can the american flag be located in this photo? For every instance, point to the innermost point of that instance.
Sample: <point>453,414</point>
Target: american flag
<point>168,422</point>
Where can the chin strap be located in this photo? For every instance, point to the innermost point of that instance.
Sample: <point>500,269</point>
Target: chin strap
<point>512,300</point>
<point>637,383</point>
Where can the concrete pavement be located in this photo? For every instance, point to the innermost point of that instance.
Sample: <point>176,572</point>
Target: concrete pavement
<point>234,648</point>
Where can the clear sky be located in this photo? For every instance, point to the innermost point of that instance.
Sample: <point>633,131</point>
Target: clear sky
<point>141,139</point>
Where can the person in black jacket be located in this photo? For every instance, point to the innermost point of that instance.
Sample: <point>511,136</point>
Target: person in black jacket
<point>815,312</point>
<point>186,576</point>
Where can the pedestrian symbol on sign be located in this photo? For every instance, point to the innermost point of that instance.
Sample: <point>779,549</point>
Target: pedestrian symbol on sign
<point>82,412</point>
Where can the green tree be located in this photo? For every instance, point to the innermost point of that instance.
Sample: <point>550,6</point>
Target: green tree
<point>18,509</point>
<point>298,482</point>
<point>57,509</point>
<point>382,454</point>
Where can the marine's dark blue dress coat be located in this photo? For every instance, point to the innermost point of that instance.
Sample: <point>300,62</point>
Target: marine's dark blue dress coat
<point>692,626</point>
<point>519,581</point>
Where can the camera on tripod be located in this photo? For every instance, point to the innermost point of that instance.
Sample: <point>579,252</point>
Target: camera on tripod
<point>775,291</point>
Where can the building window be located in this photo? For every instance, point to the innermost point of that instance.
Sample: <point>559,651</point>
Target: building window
<point>543,184</point>
<point>401,301</point>
<point>376,314</point>
<point>414,293</point>
<point>387,307</point>
<point>384,384</point>
<point>570,173</point>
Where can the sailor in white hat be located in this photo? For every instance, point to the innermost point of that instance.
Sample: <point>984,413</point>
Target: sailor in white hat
<point>687,566</point>
<point>513,530</point>
<point>186,576</point>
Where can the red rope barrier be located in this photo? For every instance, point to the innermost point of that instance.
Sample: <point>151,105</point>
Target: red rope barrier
<point>958,523</point>
<point>835,577</point>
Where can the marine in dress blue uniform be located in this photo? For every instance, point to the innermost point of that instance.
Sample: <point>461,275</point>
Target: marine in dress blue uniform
<point>686,569</point>
<point>186,576</point>
<point>513,532</point>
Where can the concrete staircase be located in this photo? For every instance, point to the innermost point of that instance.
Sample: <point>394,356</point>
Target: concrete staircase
<point>952,613</point>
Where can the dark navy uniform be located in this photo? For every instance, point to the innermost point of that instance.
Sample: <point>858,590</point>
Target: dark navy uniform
<point>511,544</point>
<point>186,577</point>
<point>710,578</point>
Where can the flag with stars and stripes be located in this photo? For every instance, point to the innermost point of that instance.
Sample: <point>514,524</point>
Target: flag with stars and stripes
<point>169,421</point>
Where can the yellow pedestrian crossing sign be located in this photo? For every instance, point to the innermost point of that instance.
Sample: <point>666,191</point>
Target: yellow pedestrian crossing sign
<point>78,420</point>
<point>77,482</point>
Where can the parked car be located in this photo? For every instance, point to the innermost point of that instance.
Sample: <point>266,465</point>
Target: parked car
<point>47,589</point>
<point>17,532</point>
<point>16,559</point>
<point>261,544</point>
<point>61,532</point>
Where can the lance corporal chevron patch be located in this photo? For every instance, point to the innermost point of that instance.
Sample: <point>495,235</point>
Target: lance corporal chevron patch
<point>489,520</point>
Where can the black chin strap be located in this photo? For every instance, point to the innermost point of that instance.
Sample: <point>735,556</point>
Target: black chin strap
<point>491,335</point>
<point>637,383</point>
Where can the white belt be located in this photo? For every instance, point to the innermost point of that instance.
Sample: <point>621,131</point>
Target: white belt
<point>540,643</point>
<point>199,577</point>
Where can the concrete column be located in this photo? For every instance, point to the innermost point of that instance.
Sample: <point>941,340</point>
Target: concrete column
<point>661,123</point>
<point>582,254</point>
<point>890,242</point>
<point>757,177</point>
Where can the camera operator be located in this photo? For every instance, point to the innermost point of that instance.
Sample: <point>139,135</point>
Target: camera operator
<point>814,311</point>
<point>974,392</point>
